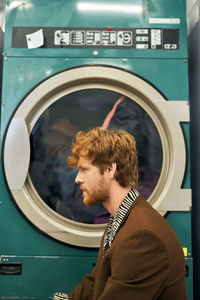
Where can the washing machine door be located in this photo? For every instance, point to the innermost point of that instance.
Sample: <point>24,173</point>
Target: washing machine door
<point>40,133</point>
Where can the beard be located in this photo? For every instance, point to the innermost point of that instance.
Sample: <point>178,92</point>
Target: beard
<point>99,194</point>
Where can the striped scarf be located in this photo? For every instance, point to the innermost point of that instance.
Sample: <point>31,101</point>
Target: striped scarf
<point>115,222</point>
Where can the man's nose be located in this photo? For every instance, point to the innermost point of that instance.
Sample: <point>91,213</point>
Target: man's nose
<point>78,178</point>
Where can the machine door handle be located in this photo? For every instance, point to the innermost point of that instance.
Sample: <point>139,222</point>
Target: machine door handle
<point>16,154</point>
<point>10,268</point>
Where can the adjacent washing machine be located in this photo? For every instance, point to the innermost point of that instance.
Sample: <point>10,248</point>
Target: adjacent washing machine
<point>70,66</point>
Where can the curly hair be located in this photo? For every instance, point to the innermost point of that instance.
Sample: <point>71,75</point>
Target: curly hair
<point>104,147</point>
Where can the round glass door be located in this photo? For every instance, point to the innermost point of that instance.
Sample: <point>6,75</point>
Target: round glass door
<point>42,128</point>
<point>52,136</point>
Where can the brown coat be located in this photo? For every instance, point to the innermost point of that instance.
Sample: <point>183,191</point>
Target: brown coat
<point>144,262</point>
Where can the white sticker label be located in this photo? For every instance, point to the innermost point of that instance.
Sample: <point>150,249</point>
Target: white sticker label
<point>142,31</point>
<point>170,46</point>
<point>142,46</point>
<point>35,39</point>
<point>93,37</point>
<point>109,38</point>
<point>164,21</point>
<point>62,37</point>
<point>124,38</point>
<point>155,37</point>
<point>142,39</point>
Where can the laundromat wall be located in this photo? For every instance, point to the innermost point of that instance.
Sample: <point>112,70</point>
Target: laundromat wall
<point>194,72</point>
<point>34,264</point>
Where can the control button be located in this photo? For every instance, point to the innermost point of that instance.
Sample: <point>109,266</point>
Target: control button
<point>174,46</point>
<point>77,37</point>
<point>142,31</point>
<point>142,46</point>
<point>93,37</point>
<point>109,38</point>
<point>124,38</point>
<point>62,37</point>
<point>142,39</point>
<point>170,46</point>
<point>155,37</point>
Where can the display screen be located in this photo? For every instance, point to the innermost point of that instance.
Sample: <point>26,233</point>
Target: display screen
<point>51,140</point>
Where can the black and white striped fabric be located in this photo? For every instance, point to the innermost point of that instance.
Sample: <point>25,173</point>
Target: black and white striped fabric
<point>115,222</point>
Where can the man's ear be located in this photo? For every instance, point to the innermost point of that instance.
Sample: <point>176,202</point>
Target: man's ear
<point>111,170</point>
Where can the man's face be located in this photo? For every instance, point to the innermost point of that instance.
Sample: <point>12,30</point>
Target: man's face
<point>93,184</point>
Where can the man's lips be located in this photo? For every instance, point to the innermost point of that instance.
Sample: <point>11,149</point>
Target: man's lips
<point>83,189</point>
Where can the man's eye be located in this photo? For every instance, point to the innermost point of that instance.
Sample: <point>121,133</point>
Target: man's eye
<point>83,169</point>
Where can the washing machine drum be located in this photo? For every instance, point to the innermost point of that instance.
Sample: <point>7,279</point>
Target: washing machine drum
<point>41,131</point>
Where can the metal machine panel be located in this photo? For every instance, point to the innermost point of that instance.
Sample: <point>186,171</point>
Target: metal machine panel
<point>104,14</point>
<point>53,268</point>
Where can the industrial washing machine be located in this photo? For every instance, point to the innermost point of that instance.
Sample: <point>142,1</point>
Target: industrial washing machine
<point>69,66</point>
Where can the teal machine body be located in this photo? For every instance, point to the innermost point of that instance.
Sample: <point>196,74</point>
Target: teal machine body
<point>72,65</point>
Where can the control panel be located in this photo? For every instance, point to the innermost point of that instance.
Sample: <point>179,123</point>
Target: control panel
<point>135,38</point>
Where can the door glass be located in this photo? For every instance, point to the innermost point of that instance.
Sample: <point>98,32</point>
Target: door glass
<point>51,139</point>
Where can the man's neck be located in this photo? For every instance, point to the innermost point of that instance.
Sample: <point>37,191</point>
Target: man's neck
<point>117,195</point>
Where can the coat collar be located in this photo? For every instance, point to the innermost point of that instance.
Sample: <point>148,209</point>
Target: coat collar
<point>116,222</point>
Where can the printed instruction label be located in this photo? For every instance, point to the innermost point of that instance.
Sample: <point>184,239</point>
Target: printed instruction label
<point>164,21</point>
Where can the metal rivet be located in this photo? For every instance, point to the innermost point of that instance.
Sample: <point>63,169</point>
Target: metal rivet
<point>95,53</point>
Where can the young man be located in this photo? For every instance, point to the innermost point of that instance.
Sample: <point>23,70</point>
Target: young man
<point>140,257</point>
